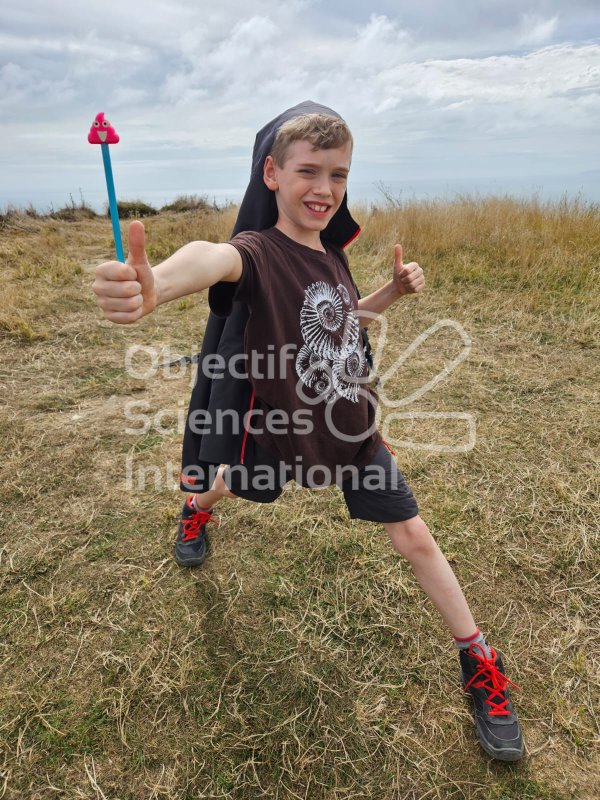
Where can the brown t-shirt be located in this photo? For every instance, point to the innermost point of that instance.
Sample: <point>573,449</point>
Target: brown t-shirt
<point>305,353</point>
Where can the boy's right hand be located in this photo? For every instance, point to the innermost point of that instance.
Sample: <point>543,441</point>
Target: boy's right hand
<point>127,292</point>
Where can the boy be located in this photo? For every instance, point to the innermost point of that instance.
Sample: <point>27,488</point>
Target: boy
<point>284,303</point>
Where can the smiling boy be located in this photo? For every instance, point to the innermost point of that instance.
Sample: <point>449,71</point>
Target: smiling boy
<point>309,187</point>
<point>291,282</point>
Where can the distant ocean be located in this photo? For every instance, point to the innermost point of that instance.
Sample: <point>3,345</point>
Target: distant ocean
<point>546,188</point>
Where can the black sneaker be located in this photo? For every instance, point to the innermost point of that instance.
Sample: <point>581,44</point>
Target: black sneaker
<point>191,541</point>
<point>497,726</point>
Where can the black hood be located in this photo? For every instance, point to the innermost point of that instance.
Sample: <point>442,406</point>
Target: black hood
<point>258,210</point>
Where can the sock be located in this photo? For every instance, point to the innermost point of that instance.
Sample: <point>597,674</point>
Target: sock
<point>197,506</point>
<point>478,638</point>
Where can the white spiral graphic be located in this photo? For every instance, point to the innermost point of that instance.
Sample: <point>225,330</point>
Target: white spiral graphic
<point>321,318</point>
<point>331,360</point>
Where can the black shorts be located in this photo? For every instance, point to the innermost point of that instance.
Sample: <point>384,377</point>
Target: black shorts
<point>376,493</point>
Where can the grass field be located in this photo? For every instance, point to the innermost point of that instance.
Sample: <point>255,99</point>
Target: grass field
<point>301,660</point>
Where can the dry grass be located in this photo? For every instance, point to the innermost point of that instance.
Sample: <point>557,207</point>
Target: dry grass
<point>301,660</point>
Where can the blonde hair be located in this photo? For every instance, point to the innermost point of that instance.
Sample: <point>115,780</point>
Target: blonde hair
<point>323,131</point>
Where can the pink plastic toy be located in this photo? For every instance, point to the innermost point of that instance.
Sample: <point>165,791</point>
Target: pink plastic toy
<point>101,131</point>
<point>103,134</point>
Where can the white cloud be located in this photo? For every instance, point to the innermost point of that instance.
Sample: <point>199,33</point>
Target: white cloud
<point>128,95</point>
<point>26,90</point>
<point>535,30</point>
<point>88,46</point>
<point>378,42</point>
<point>533,77</point>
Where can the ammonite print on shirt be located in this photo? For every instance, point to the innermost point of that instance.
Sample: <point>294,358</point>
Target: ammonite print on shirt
<point>332,358</point>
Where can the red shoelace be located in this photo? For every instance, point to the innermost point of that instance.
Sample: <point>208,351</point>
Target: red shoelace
<point>192,525</point>
<point>491,680</point>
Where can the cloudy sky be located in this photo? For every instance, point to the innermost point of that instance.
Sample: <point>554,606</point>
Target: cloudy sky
<point>442,96</point>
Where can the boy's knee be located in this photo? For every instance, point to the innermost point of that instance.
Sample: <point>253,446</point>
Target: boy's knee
<point>411,538</point>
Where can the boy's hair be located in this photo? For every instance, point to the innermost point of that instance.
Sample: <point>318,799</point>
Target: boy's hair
<point>323,131</point>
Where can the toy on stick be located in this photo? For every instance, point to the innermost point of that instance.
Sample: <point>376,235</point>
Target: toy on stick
<point>102,133</point>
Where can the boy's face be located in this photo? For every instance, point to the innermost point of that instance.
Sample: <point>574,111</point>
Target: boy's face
<point>309,180</point>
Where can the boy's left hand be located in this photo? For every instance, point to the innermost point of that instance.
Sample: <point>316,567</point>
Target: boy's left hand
<point>408,278</point>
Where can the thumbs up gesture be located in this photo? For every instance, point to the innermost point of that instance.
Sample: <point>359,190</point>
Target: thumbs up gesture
<point>126,292</point>
<point>408,278</point>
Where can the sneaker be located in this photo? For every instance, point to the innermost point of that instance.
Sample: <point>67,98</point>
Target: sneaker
<point>191,541</point>
<point>497,726</point>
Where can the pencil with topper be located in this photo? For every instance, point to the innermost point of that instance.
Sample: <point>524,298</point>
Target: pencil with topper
<point>102,133</point>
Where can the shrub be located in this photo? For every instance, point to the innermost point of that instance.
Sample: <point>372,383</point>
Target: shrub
<point>190,202</point>
<point>68,213</point>
<point>133,208</point>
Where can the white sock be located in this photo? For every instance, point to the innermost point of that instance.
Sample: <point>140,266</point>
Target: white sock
<point>477,638</point>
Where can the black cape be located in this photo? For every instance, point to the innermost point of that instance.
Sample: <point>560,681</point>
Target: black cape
<point>224,334</point>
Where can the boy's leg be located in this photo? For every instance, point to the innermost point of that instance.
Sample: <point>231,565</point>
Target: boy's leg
<point>219,489</point>
<point>389,499</point>
<point>234,482</point>
<point>191,542</point>
<point>413,540</point>
<point>482,670</point>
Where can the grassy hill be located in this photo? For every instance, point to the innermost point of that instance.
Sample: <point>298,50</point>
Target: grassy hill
<point>301,660</point>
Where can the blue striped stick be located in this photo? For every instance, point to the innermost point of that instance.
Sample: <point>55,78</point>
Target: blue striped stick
<point>112,202</point>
